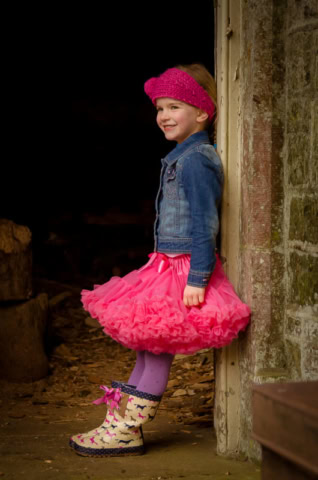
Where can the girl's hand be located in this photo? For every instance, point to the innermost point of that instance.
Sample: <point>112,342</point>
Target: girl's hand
<point>193,295</point>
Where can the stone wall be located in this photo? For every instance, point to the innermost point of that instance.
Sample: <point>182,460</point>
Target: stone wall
<point>279,224</point>
<point>300,187</point>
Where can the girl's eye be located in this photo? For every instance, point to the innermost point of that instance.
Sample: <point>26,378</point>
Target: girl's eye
<point>174,107</point>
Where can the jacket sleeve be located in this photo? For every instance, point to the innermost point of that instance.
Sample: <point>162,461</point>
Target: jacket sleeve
<point>202,182</point>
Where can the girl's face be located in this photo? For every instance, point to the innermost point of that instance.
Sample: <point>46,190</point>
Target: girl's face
<point>178,120</point>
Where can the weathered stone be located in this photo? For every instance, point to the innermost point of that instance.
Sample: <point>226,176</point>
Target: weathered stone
<point>301,11</point>
<point>310,64</point>
<point>304,274</point>
<point>301,64</point>
<point>265,373</point>
<point>275,351</point>
<point>15,261</point>
<point>295,65</point>
<point>22,333</point>
<point>304,219</point>
<point>298,158</point>
<point>293,354</point>
<point>298,119</point>
<point>278,138</point>
<point>314,148</point>
<point>310,351</point>
<point>293,326</point>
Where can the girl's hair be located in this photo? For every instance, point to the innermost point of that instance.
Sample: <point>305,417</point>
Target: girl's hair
<point>205,79</point>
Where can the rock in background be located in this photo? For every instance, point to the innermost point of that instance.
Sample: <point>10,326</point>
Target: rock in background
<point>23,319</point>
<point>15,261</point>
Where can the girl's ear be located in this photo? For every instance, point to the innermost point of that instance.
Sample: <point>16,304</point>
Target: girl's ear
<point>202,116</point>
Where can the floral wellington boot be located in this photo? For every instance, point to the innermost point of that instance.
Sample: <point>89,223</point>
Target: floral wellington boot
<point>128,410</point>
<point>110,394</point>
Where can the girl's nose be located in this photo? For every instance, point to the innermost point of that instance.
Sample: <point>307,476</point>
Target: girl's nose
<point>164,114</point>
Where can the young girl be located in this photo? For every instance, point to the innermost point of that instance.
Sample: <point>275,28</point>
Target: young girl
<point>180,301</point>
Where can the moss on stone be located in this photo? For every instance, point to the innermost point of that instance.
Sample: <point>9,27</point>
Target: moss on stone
<point>293,326</point>
<point>304,219</point>
<point>304,279</point>
<point>298,158</point>
<point>293,352</point>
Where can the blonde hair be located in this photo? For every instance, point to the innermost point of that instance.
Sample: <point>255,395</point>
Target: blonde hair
<point>205,79</point>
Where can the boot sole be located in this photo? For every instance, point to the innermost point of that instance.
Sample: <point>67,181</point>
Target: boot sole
<point>109,455</point>
<point>113,452</point>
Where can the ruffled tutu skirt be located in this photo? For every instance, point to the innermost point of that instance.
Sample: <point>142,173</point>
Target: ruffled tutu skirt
<point>144,309</point>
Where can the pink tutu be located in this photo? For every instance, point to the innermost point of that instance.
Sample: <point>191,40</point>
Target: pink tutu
<point>144,310</point>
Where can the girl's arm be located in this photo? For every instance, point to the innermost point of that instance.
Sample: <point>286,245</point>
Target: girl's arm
<point>202,181</point>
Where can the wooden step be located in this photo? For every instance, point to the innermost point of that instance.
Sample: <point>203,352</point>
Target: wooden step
<point>285,423</point>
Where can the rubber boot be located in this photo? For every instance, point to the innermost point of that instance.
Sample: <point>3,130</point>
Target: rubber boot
<point>124,435</point>
<point>107,398</point>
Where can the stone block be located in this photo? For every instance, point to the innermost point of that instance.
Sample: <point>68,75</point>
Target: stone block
<point>314,148</point>
<point>293,326</point>
<point>295,62</point>
<point>302,11</point>
<point>304,219</point>
<point>310,349</point>
<point>298,120</point>
<point>260,218</point>
<point>298,158</point>
<point>277,185</point>
<point>246,281</point>
<point>301,63</point>
<point>15,261</point>
<point>316,64</point>
<point>303,272</point>
<point>293,357</point>
<point>278,292</point>
<point>310,63</point>
<point>261,267</point>
<point>310,9</point>
<point>22,332</point>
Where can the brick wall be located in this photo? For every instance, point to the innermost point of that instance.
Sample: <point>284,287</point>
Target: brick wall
<point>279,225</point>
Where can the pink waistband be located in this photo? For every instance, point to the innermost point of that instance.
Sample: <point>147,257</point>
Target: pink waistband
<point>164,260</point>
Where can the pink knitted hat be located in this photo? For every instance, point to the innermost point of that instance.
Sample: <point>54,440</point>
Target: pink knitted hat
<point>175,83</point>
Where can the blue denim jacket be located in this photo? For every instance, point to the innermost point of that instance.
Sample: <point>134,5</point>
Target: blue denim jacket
<point>190,190</point>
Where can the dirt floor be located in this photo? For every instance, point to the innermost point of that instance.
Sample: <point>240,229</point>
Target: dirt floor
<point>38,418</point>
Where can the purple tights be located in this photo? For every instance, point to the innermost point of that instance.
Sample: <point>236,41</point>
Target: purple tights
<point>151,372</point>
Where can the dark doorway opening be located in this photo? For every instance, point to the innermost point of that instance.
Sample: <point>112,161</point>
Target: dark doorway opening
<point>89,199</point>
<point>87,189</point>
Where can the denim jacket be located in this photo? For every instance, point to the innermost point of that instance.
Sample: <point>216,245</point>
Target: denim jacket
<point>190,190</point>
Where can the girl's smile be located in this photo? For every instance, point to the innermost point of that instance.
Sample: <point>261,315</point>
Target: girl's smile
<point>178,120</point>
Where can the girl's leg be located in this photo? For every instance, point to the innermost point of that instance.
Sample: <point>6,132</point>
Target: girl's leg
<point>156,373</point>
<point>138,369</point>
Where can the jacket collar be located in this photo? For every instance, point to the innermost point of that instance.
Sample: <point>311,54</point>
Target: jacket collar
<point>195,139</point>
